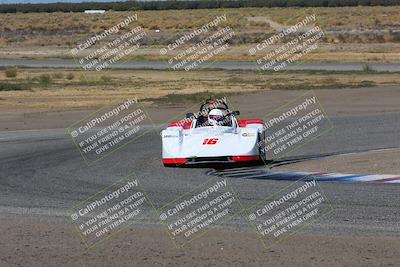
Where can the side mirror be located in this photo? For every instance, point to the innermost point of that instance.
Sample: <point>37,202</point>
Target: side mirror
<point>189,115</point>
<point>236,113</point>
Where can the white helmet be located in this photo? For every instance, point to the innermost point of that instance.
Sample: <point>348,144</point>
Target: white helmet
<point>215,117</point>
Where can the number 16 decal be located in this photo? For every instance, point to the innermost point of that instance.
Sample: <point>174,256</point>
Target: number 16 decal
<point>211,141</point>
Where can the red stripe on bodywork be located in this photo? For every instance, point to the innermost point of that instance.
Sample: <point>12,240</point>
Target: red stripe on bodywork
<point>185,125</point>
<point>245,158</point>
<point>174,161</point>
<point>244,123</point>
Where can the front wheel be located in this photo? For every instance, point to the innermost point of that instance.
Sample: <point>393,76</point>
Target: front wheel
<point>261,146</point>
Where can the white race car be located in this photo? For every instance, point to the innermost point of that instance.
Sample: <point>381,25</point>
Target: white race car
<point>214,134</point>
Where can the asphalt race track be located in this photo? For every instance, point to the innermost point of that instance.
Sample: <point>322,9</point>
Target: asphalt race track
<point>43,174</point>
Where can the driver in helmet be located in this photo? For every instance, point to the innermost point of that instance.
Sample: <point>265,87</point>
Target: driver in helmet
<point>216,117</point>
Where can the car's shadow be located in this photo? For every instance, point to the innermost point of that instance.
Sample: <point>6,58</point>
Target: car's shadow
<point>267,163</point>
<point>224,165</point>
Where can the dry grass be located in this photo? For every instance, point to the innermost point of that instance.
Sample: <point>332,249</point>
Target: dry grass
<point>93,89</point>
<point>35,35</point>
<point>342,18</point>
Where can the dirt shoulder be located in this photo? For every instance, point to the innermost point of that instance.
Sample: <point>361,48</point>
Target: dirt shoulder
<point>59,245</point>
<point>62,89</point>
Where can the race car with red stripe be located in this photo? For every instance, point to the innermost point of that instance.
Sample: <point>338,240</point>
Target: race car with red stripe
<point>214,134</point>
